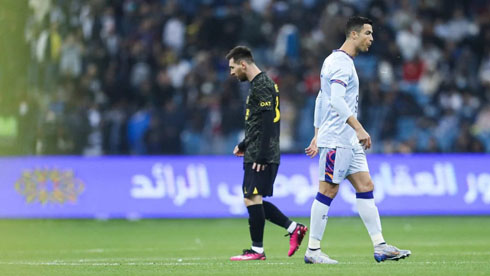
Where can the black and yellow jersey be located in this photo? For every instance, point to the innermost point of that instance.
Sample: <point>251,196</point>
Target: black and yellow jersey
<point>263,99</point>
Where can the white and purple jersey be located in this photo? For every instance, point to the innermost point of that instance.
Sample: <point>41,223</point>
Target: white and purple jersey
<point>333,131</point>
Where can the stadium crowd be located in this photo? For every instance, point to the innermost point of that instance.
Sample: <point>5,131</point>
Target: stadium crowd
<point>150,77</point>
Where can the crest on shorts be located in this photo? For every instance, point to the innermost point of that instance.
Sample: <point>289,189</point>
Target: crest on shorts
<point>49,186</point>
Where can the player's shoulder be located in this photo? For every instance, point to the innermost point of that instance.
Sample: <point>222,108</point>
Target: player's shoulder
<point>340,58</point>
<point>262,81</point>
<point>338,61</point>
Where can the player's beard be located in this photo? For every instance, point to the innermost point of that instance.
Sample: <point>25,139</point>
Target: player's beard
<point>241,76</point>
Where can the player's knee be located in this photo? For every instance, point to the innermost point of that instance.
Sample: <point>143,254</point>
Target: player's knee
<point>252,200</point>
<point>248,202</point>
<point>331,194</point>
<point>328,189</point>
<point>367,186</point>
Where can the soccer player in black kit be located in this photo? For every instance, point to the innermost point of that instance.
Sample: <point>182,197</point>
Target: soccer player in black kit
<point>260,150</point>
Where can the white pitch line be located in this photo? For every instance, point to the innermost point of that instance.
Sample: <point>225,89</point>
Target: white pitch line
<point>57,264</point>
<point>71,263</point>
<point>95,250</point>
<point>93,263</point>
<point>149,249</point>
<point>114,264</point>
<point>158,259</point>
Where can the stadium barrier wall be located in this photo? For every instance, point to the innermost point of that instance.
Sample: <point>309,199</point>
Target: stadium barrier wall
<point>210,186</point>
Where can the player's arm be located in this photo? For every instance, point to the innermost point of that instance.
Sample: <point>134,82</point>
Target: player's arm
<point>267,128</point>
<point>266,108</point>
<point>340,106</point>
<point>361,133</point>
<point>317,117</point>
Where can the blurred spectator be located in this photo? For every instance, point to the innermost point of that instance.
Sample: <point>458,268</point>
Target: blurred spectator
<point>149,77</point>
<point>174,33</point>
<point>71,57</point>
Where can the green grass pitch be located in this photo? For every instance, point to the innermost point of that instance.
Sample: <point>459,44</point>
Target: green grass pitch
<point>440,246</point>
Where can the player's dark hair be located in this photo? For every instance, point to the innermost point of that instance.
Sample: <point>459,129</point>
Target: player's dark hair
<point>356,23</point>
<point>240,53</point>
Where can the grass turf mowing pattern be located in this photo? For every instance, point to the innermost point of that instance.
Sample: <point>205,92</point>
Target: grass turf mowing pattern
<point>440,246</point>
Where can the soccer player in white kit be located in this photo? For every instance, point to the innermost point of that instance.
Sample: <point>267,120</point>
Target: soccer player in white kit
<point>339,139</point>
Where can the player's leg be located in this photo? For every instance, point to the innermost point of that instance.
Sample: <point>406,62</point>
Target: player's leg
<point>296,231</point>
<point>256,222</point>
<point>318,222</point>
<point>252,191</point>
<point>366,206</point>
<point>319,213</point>
<point>332,166</point>
<point>361,180</point>
<point>272,213</point>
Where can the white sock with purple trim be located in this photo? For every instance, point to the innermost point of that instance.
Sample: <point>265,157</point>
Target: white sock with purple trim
<point>370,216</point>
<point>318,219</point>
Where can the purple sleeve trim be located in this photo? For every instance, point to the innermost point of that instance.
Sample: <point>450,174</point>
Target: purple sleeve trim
<point>339,82</point>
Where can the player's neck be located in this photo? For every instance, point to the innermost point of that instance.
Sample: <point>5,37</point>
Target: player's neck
<point>252,72</point>
<point>350,48</point>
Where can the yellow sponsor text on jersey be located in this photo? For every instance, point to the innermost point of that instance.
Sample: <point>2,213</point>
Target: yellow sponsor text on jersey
<point>262,104</point>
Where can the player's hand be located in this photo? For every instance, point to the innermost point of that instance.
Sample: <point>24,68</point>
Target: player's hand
<point>258,167</point>
<point>312,149</point>
<point>238,152</point>
<point>364,138</point>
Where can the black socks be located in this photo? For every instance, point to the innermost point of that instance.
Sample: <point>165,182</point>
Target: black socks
<point>256,222</point>
<point>274,215</point>
<point>257,214</point>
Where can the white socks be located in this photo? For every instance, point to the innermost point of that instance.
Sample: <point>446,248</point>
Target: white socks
<point>370,216</point>
<point>318,220</point>
<point>367,211</point>
<point>292,226</point>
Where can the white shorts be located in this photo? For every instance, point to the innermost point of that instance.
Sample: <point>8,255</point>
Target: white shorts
<point>337,163</point>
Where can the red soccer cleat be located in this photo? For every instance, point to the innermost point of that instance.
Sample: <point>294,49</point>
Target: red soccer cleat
<point>248,255</point>
<point>296,238</point>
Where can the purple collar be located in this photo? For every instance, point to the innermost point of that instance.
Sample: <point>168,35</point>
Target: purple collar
<point>338,50</point>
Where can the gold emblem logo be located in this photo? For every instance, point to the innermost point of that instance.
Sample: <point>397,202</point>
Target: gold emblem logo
<point>49,186</point>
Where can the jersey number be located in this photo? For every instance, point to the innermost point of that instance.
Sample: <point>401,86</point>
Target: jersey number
<point>278,113</point>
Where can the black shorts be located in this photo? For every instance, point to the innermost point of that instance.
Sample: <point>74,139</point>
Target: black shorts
<point>259,183</point>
